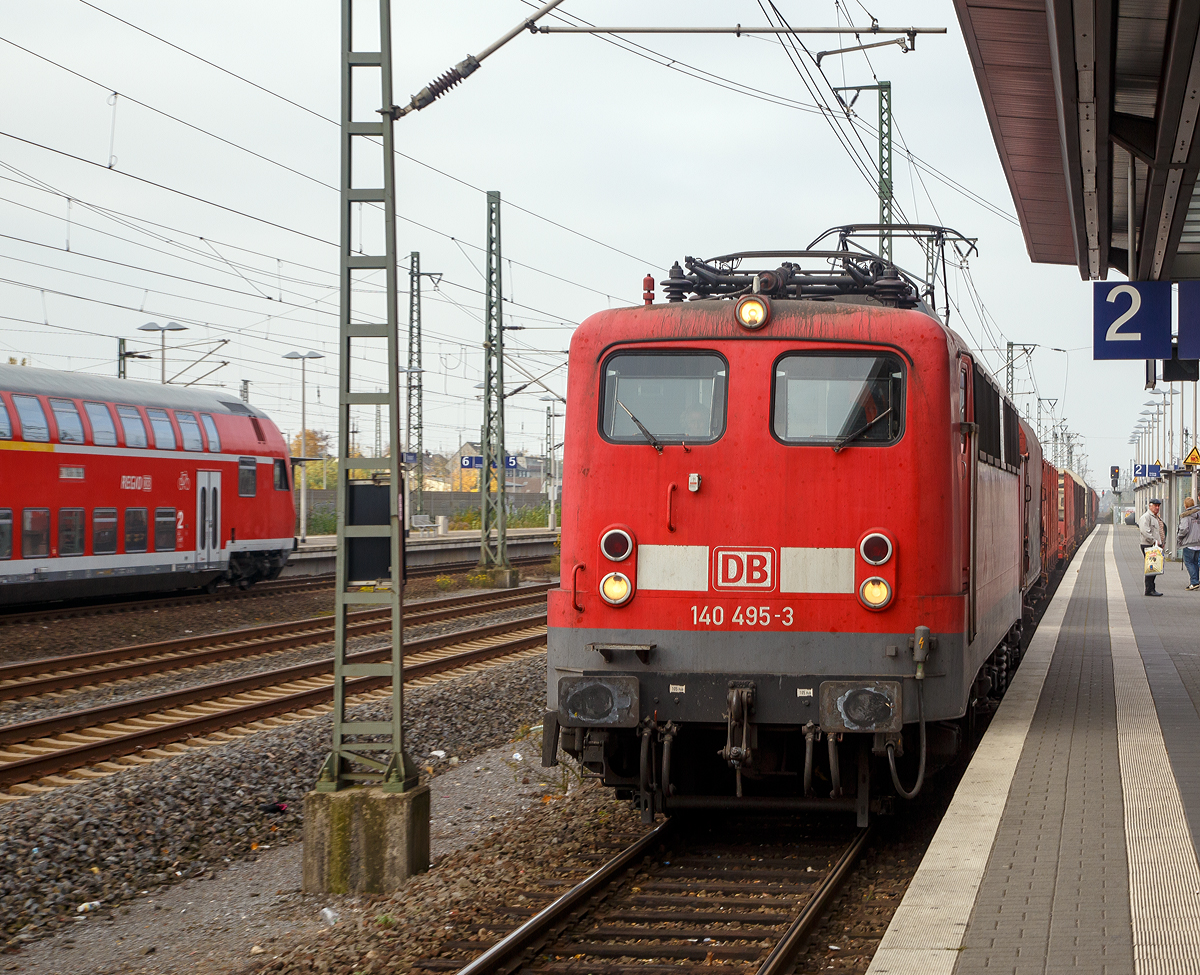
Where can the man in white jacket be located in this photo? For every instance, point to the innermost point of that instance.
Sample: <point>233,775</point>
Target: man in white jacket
<point>1154,532</point>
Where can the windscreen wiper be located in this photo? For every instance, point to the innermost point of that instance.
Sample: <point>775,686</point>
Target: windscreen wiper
<point>860,431</point>
<point>645,433</point>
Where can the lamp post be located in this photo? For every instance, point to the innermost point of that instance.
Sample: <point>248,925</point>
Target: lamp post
<point>162,334</point>
<point>303,357</point>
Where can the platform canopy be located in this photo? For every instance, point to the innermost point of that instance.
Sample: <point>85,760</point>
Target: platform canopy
<point>1074,91</point>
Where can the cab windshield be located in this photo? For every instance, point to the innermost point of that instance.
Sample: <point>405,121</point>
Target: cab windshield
<point>826,399</point>
<point>675,396</point>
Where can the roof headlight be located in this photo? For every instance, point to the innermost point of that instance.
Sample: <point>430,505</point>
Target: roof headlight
<point>615,588</point>
<point>752,311</point>
<point>875,593</point>
<point>876,548</point>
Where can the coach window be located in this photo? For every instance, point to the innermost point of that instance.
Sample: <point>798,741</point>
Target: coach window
<point>132,425</point>
<point>72,524</point>
<point>5,533</point>
<point>281,475</point>
<point>190,430</point>
<point>32,417</point>
<point>35,533</point>
<point>5,422</point>
<point>210,428</point>
<point>247,477</point>
<point>164,529</point>
<point>104,531</point>
<point>164,433</point>
<point>135,529</point>
<point>665,397</point>
<point>70,427</point>
<point>836,399</point>
<point>104,434</point>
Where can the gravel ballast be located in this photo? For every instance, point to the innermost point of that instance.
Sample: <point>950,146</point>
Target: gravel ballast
<point>188,816</point>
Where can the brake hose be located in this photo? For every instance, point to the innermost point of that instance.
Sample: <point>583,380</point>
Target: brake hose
<point>891,750</point>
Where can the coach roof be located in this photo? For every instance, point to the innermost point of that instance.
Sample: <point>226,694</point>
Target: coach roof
<point>74,385</point>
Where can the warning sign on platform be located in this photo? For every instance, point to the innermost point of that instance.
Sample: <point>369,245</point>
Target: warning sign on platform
<point>1192,459</point>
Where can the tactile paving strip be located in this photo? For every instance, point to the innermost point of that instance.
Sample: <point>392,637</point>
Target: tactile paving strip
<point>1164,879</point>
<point>925,936</point>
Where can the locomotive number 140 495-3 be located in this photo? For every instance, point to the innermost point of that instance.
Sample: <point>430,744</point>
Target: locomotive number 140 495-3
<point>741,616</point>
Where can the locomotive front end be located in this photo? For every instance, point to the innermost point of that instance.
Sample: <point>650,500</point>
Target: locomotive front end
<point>768,588</point>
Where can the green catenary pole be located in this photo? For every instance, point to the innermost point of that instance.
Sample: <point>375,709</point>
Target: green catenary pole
<point>368,751</point>
<point>493,552</point>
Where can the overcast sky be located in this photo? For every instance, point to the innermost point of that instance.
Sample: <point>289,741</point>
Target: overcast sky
<point>612,162</point>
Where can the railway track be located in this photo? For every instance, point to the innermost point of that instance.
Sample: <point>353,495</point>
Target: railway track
<point>736,896</point>
<point>280,587</point>
<point>62,750</point>
<point>55,674</point>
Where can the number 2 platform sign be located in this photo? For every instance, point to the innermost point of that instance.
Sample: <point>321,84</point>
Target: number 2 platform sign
<point>1131,320</point>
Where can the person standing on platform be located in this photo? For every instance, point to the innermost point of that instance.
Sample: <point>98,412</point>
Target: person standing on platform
<point>1154,532</point>
<point>1189,540</point>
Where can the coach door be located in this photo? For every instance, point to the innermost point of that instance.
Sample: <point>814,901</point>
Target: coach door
<point>208,517</point>
<point>968,472</point>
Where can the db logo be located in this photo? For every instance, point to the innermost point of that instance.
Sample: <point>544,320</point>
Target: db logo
<point>744,568</point>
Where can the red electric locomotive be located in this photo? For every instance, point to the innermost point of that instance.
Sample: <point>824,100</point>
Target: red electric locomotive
<point>111,486</point>
<point>802,513</point>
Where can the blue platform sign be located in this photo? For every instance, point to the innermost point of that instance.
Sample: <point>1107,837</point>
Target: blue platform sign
<point>1147,470</point>
<point>475,460</point>
<point>410,457</point>
<point>1189,319</point>
<point>1131,320</point>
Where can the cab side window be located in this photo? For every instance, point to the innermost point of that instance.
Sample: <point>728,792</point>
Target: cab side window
<point>104,433</point>
<point>70,426</point>
<point>281,475</point>
<point>34,426</point>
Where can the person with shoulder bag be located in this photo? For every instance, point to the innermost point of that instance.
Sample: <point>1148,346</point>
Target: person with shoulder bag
<point>1154,535</point>
<point>1188,534</point>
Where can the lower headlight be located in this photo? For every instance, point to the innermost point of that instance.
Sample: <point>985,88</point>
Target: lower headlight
<point>875,593</point>
<point>615,588</point>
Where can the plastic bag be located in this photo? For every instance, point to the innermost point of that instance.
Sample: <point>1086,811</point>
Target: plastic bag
<point>1154,561</point>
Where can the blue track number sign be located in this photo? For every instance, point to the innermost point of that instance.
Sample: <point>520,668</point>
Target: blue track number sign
<point>1131,320</point>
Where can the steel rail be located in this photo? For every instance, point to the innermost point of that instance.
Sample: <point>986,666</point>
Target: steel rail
<point>452,568</point>
<point>153,658</point>
<point>524,936</point>
<point>783,955</point>
<point>274,588</point>
<point>48,727</point>
<point>38,766</point>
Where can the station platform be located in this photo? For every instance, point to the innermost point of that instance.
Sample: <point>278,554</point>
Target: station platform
<point>317,555</point>
<point>1071,842</point>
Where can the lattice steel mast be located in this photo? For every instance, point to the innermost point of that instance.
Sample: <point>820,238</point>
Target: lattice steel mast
<point>493,553</point>
<point>416,387</point>
<point>368,751</point>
